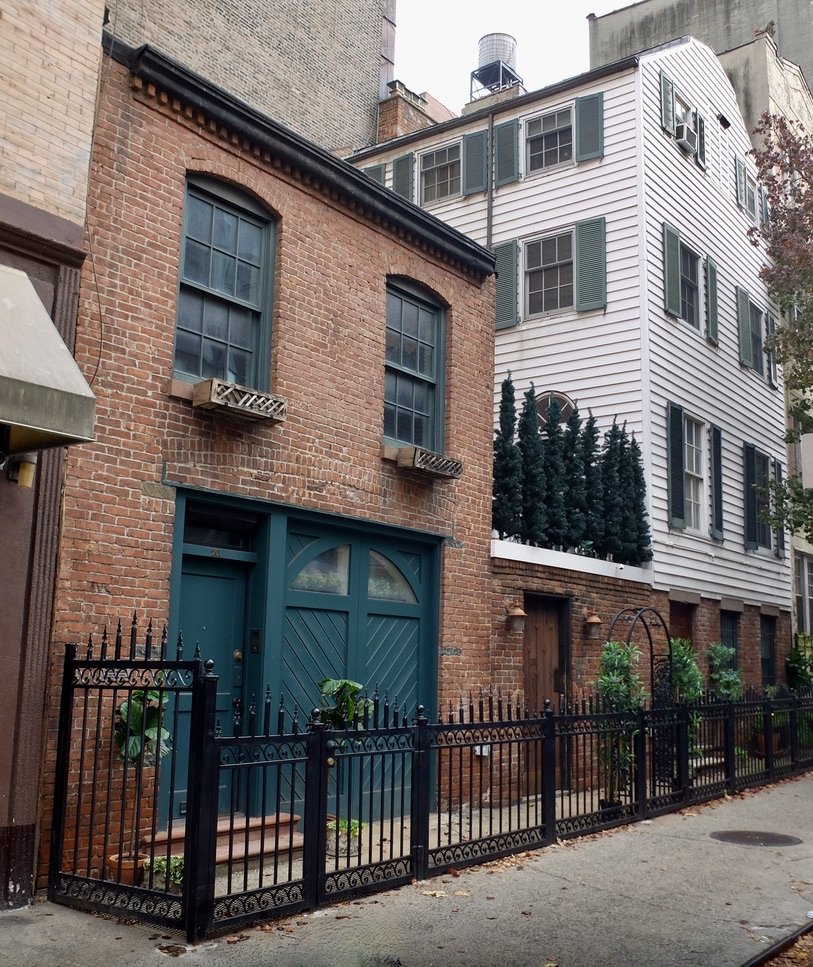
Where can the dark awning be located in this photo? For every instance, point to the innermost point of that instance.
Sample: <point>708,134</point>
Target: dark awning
<point>44,398</point>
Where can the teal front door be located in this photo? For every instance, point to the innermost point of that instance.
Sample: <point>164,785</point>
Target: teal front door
<point>212,616</point>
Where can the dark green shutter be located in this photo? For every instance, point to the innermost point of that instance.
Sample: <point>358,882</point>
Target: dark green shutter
<point>677,513</point>
<point>770,329</point>
<point>590,127</point>
<point>751,505</point>
<point>474,162</point>
<point>506,152</point>
<point>716,474</point>
<point>402,177</point>
<point>739,178</point>
<point>700,127</point>
<point>779,532</point>
<point>671,270</point>
<point>667,104</point>
<point>591,264</point>
<point>744,326</point>
<point>506,256</point>
<point>711,301</point>
<point>376,172</point>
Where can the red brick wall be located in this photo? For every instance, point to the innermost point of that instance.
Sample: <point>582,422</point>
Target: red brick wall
<point>327,360</point>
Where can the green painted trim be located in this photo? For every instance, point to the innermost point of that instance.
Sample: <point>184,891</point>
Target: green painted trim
<point>219,553</point>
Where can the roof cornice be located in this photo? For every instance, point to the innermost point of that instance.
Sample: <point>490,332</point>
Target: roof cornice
<point>313,165</point>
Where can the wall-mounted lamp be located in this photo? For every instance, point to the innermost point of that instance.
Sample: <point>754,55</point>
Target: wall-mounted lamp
<point>21,467</point>
<point>592,625</point>
<point>516,619</point>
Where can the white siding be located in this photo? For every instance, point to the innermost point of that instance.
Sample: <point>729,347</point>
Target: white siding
<point>685,369</point>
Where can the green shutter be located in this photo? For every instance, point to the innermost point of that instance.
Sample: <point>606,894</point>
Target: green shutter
<point>376,172</point>
<point>779,532</point>
<point>591,265</point>
<point>700,127</point>
<point>590,127</point>
<point>671,270</point>
<point>716,474</point>
<point>506,153</point>
<point>770,329</point>
<point>506,256</point>
<point>751,506</point>
<point>739,178</point>
<point>667,104</point>
<point>475,162</point>
<point>711,301</point>
<point>402,177</point>
<point>744,326</point>
<point>677,513</point>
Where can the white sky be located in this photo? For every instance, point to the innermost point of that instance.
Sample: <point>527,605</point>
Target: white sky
<point>436,41</point>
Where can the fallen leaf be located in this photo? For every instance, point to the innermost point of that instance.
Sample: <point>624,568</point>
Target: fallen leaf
<point>436,893</point>
<point>462,893</point>
<point>237,939</point>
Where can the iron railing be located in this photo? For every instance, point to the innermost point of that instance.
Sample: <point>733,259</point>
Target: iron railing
<point>231,829</point>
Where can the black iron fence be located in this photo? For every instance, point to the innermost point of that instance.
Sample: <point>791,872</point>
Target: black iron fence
<point>160,815</point>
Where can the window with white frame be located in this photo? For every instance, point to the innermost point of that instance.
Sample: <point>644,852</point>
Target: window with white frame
<point>693,475</point>
<point>803,580</point>
<point>746,188</point>
<point>549,274</point>
<point>440,173</point>
<point>757,323</point>
<point>549,140</point>
<point>757,479</point>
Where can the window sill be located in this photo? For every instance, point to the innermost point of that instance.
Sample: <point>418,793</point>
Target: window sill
<point>424,462</point>
<point>240,401</point>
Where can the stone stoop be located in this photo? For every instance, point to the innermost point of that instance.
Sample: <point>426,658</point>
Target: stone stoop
<point>238,838</point>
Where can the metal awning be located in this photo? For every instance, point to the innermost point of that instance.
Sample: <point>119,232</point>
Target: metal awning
<point>44,398</point>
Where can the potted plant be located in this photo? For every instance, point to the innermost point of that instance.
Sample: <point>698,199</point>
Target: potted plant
<point>343,836</point>
<point>140,738</point>
<point>621,692</point>
<point>341,702</point>
<point>165,874</point>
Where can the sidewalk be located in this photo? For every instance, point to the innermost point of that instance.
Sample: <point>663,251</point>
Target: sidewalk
<point>659,893</point>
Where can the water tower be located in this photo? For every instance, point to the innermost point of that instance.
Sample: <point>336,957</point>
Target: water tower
<point>497,70</point>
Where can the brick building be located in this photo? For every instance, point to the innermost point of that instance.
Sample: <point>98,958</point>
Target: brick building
<point>319,68</point>
<point>46,124</point>
<point>288,360</point>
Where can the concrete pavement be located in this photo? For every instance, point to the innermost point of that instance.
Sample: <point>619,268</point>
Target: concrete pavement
<point>663,893</point>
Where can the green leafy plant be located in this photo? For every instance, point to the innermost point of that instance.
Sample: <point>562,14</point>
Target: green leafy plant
<point>800,665</point>
<point>166,873</point>
<point>139,732</point>
<point>340,702</point>
<point>348,827</point>
<point>621,690</point>
<point>724,678</point>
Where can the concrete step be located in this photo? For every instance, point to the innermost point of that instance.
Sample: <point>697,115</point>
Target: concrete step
<point>238,837</point>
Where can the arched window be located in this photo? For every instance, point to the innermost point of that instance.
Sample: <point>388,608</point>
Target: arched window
<point>224,302</point>
<point>544,400</point>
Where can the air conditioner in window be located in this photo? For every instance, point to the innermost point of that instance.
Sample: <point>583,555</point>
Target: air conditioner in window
<point>686,137</point>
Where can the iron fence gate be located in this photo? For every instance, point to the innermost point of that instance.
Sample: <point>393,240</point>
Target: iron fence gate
<point>280,816</point>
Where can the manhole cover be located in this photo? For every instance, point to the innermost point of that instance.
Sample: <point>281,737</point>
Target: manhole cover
<point>755,837</point>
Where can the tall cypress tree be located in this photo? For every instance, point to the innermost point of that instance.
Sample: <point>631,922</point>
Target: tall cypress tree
<point>575,491</point>
<point>593,485</point>
<point>555,476</point>
<point>534,518</point>
<point>643,550</point>
<point>506,505</point>
<point>612,543</point>
<point>628,536</point>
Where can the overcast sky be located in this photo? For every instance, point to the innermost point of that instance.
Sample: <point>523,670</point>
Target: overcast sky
<point>436,41</point>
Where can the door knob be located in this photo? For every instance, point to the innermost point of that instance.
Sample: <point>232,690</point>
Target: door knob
<point>238,656</point>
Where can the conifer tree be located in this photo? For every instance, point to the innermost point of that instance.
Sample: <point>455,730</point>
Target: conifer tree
<point>506,506</point>
<point>529,441</point>
<point>555,476</point>
<point>612,543</point>
<point>593,485</point>
<point>628,535</point>
<point>575,491</point>
<point>643,550</point>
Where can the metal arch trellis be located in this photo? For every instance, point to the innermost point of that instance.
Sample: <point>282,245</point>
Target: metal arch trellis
<point>660,665</point>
